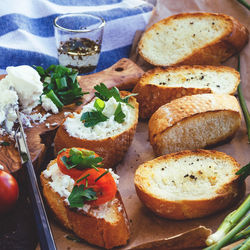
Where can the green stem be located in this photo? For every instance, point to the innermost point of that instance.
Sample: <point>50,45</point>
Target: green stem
<point>244,105</point>
<point>245,110</point>
<point>244,3</point>
<point>244,172</point>
<point>226,239</point>
<point>241,235</point>
<point>246,245</point>
<point>239,246</point>
<point>229,222</point>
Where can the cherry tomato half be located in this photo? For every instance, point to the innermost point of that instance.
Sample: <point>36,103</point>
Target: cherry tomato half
<point>105,187</point>
<point>73,172</point>
<point>9,191</point>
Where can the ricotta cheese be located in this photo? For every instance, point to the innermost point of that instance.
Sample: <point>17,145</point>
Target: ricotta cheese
<point>75,127</point>
<point>26,82</point>
<point>8,102</point>
<point>47,104</point>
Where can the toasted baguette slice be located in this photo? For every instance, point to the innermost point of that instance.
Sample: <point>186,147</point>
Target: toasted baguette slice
<point>112,147</point>
<point>105,226</point>
<point>188,184</point>
<point>193,122</point>
<point>160,86</point>
<point>193,38</point>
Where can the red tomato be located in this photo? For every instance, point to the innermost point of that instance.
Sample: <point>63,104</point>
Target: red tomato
<point>73,172</point>
<point>105,187</point>
<point>9,191</point>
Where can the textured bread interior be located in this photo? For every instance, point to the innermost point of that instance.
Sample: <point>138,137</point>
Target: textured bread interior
<point>183,36</point>
<point>199,131</point>
<point>219,80</point>
<point>191,177</point>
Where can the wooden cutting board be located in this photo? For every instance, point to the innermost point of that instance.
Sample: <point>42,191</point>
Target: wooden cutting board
<point>124,74</point>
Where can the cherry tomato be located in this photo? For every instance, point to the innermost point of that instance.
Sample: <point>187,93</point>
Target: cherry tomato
<point>73,172</point>
<point>9,191</point>
<point>105,187</point>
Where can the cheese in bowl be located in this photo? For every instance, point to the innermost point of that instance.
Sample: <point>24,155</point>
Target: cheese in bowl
<point>106,125</point>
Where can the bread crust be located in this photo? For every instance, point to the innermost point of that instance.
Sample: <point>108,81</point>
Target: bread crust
<point>96,231</point>
<point>151,96</point>
<point>188,209</point>
<point>182,110</point>
<point>111,149</point>
<point>214,53</point>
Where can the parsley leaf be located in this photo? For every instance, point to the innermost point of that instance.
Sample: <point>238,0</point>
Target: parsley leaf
<point>79,196</point>
<point>119,115</point>
<point>105,94</point>
<point>80,159</point>
<point>83,159</point>
<point>92,118</point>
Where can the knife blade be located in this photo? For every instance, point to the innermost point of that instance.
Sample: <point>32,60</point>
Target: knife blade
<point>43,228</point>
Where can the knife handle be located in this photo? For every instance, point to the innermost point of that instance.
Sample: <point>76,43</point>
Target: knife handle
<point>43,228</point>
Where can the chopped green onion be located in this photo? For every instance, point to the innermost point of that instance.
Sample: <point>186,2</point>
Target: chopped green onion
<point>99,104</point>
<point>229,223</point>
<point>63,82</point>
<point>84,177</point>
<point>51,95</point>
<point>98,178</point>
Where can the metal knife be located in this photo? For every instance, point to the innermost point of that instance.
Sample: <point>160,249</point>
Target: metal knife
<point>43,228</point>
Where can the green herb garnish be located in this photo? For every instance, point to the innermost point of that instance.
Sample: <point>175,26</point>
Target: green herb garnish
<point>63,150</point>
<point>79,196</point>
<point>105,94</point>
<point>60,84</point>
<point>244,3</point>
<point>99,104</point>
<point>244,172</point>
<point>92,118</point>
<point>81,159</point>
<point>4,143</point>
<point>84,177</point>
<point>119,115</point>
<point>74,238</point>
<point>98,178</point>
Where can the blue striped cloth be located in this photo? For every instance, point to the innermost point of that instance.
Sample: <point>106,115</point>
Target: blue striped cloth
<point>27,34</point>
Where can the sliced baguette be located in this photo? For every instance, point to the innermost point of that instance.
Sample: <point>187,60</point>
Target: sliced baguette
<point>160,86</point>
<point>107,229</point>
<point>193,122</point>
<point>188,184</point>
<point>112,148</point>
<point>193,38</point>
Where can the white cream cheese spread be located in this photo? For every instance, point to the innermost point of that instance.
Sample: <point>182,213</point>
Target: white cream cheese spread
<point>8,102</point>
<point>26,82</point>
<point>47,104</point>
<point>75,127</point>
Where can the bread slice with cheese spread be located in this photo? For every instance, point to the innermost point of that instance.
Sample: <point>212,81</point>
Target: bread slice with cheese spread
<point>160,86</point>
<point>193,38</point>
<point>105,225</point>
<point>188,184</point>
<point>109,139</point>
<point>193,122</point>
